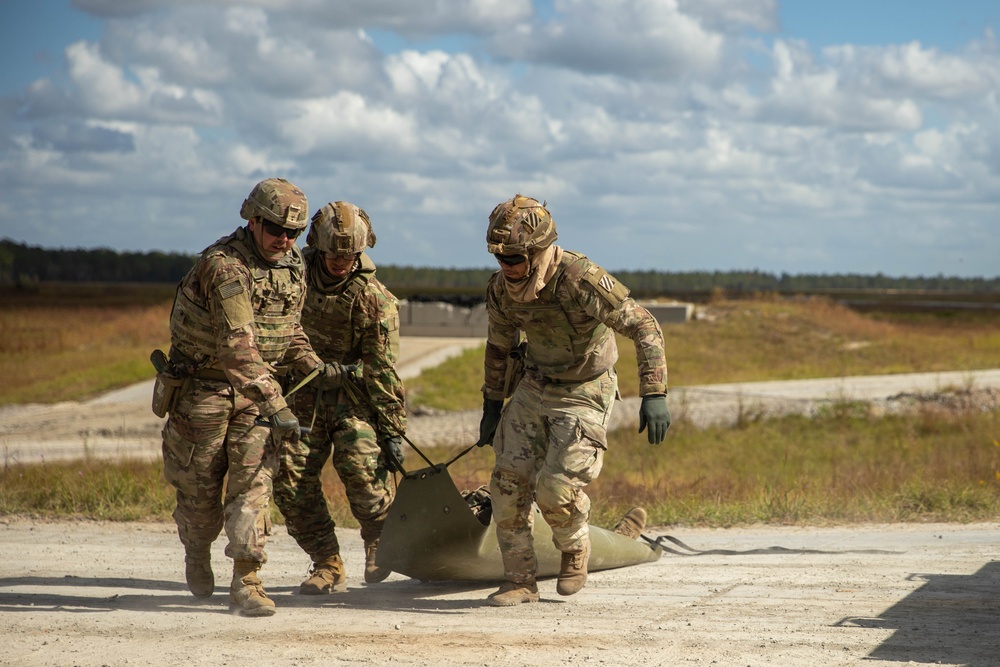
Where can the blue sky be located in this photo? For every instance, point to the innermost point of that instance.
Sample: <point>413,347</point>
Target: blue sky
<point>786,136</point>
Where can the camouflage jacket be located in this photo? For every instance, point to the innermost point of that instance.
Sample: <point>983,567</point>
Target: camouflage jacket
<point>569,328</point>
<point>356,321</point>
<point>236,313</point>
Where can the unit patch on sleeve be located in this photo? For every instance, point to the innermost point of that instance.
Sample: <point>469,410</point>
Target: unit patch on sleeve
<point>612,290</point>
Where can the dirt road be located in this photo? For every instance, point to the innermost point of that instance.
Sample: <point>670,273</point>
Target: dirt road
<point>120,423</point>
<point>94,594</point>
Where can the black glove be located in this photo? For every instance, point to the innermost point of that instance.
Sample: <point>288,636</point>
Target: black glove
<point>334,375</point>
<point>654,413</point>
<point>491,419</point>
<point>392,453</point>
<point>285,426</point>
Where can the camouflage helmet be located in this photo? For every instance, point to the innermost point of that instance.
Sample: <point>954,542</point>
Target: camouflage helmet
<point>278,201</point>
<point>519,226</point>
<point>341,228</point>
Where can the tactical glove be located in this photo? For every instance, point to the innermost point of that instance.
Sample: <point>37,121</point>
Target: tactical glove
<point>654,413</point>
<point>334,375</point>
<point>284,426</point>
<point>392,453</point>
<point>491,419</point>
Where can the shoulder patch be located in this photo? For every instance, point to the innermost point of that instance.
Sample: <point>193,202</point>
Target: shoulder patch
<point>232,288</point>
<point>606,285</point>
<point>235,303</point>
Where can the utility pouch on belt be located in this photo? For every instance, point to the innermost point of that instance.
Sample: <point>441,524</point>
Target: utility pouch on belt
<point>167,387</point>
<point>515,369</point>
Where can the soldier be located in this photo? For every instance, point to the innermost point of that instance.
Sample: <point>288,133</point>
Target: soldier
<point>557,311</point>
<point>235,316</point>
<point>351,319</point>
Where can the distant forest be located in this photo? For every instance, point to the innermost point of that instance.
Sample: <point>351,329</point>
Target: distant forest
<point>23,265</point>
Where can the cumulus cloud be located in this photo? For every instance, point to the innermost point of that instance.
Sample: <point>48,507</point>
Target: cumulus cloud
<point>665,134</point>
<point>629,38</point>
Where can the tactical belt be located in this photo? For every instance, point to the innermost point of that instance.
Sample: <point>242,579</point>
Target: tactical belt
<point>538,377</point>
<point>210,374</point>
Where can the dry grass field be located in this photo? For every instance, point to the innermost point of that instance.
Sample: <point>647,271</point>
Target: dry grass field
<point>845,465</point>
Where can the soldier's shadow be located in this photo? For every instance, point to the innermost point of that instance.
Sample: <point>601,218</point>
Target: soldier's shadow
<point>75,594</point>
<point>412,595</point>
<point>950,619</point>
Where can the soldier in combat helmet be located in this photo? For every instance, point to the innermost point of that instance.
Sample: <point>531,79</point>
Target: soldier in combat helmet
<point>235,317</point>
<point>557,312</point>
<point>351,319</point>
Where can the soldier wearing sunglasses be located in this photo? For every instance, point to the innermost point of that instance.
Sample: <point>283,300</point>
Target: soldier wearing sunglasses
<point>556,313</point>
<point>235,319</point>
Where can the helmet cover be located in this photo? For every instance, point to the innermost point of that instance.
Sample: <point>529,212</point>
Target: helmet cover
<point>341,228</point>
<point>519,226</point>
<point>278,201</point>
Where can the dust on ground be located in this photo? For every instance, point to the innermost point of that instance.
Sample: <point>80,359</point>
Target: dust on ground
<point>95,593</point>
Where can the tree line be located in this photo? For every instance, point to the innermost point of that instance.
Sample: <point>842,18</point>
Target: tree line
<point>23,265</point>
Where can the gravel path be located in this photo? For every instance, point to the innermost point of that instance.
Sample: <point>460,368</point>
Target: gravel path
<point>120,423</point>
<point>93,594</point>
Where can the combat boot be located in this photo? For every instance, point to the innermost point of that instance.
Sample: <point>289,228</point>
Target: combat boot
<point>198,571</point>
<point>512,593</point>
<point>573,571</point>
<point>246,593</point>
<point>632,523</point>
<point>374,573</point>
<point>327,576</point>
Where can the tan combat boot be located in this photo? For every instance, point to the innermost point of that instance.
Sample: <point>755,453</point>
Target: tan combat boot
<point>374,573</point>
<point>246,593</point>
<point>573,571</point>
<point>198,571</point>
<point>512,593</point>
<point>327,576</point>
<point>632,523</point>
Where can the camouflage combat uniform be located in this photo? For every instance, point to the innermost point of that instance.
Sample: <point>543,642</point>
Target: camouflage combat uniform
<point>351,321</point>
<point>235,316</point>
<point>552,436</point>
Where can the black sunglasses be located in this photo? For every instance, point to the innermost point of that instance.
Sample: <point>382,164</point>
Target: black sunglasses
<point>511,260</point>
<point>277,231</point>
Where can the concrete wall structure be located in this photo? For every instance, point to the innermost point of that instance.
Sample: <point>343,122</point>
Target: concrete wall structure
<point>436,318</point>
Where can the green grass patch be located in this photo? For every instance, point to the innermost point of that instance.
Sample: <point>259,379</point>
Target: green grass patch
<point>844,466</point>
<point>114,491</point>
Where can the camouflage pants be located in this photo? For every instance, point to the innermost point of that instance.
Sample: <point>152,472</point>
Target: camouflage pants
<point>211,447</point>
<point>549,445</point>
<point>342,430</point>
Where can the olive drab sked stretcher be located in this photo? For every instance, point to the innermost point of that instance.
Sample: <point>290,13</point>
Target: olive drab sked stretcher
<point>435,533</point>
<point>432,533</point>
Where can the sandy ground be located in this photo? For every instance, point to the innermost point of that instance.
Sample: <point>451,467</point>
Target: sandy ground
<point>92,593</point>
<point>113,594</point>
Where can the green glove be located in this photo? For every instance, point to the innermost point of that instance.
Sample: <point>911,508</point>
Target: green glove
<point>491,419</point>
<point>654,413</point>
<point>334,375</point>
<point>284,425</point>
<point>392,453</point>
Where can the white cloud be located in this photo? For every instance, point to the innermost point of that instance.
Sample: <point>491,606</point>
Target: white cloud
<point>643,39</point>
<point>103,90</point>
<point>732,15</point>
<point>346,125</point>
<point>910,69</point>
